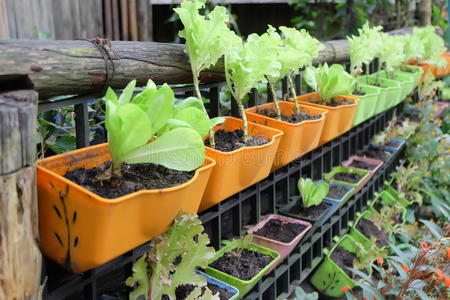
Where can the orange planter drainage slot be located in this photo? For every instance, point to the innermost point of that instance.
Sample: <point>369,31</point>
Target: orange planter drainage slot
<point>81,230</point>
<point>298,138</point>
<point>338,120</point>
<point>239,169</point>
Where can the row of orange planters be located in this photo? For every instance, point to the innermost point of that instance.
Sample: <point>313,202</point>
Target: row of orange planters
<point>82,230</point>
<point>437,72</point>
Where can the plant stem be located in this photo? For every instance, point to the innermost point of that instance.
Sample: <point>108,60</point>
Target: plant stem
<point>244,118</point>
<point>212,142</point>
<point>275,101</point>
<point>294,93</point>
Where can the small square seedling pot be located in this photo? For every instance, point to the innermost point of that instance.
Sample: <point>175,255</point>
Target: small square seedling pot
<point>370,161</point>
<point>345,197</point>
<point>388,148</point>
<point>283,248</point>
<point>357,186</point>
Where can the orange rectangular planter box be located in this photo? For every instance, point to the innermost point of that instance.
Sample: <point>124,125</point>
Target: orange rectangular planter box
<point>81,230</point>
<point>339,119</point>
<point>298,138</point>
<point>239,169</point>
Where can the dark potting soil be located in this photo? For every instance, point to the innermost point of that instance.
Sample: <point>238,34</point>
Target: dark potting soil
<point>392,143</point>
<point>337,191</point>
<point>358,93</point>
<point>375,154</point>
<point>183,291</point>
<point>295,118</point>
<point>369,229</point>
<point>348,177</point>
<point>228,141</point>
<point>135,177</point>
<point>242,263</point>
<point>344,259</point>
<point>312,212</point>
<point>335,103</point>
<point>362,165</point>
<point>280,231</point>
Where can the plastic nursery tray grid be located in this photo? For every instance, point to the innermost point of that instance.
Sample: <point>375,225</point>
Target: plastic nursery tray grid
<point>227,220</point>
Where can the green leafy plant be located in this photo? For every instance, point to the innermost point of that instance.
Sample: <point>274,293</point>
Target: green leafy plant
<point>297,50</point>
<point>204,42</point>
<point>171,262</point>
<point>248,64</point>
<point>433,46</point>
<point>390,53</point>
<point>329,82</point>
<point>133,124</point>
<point>312,192</point>
<point>363,48</point>
<point>300,294</point>
<point>413,48</point>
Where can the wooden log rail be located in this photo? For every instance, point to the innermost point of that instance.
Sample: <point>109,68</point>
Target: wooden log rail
<point>55,68</point>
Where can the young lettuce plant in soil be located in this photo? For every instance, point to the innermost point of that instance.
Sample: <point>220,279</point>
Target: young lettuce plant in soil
<point>390,53</point>
<point>312,194</point>
<point>153,143</point>
<point>247,64</point>
<point>296,50</point>
<point>329,82</point>
<point>433,46</point>
<point>204,43</point>
<point>168,269</point>
<point>363,49</point>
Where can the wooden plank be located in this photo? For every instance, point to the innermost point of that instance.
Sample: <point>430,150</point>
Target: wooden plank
<point>115,19</point>
<point>124,19</point>
<point>133,19</point>
<point>145,20</point>
<point>4,26</point>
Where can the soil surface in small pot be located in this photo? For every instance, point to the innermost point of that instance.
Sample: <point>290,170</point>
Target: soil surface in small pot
<point>369,229</point>
<point>280,231</point>
<point>183,291</point>
<point>344,259</point>
<point>135,177</point>
<point>358,93</point>
<point>359,164</point>
<point>312,212</point>
<point>348,177</point>
<point>337,191</point>
<point>294,118</point>
<point>334,103</point>
<point>392,143</point>
<point>242,263</point>
<point>375,154</point>
<point>227,141</point>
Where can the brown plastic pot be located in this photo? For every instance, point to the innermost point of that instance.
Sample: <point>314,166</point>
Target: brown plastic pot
<point>298,138</point>
<point>81,230</point>
<point>339,119</point>
<point>239,169</point>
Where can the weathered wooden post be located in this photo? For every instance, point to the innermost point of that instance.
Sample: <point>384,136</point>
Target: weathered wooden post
<point>20,258</point>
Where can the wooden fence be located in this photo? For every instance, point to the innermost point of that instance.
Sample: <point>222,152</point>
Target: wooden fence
<point>76,19</point>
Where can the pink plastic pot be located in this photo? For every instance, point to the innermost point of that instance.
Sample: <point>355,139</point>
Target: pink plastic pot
<point>283,248</point>
<point>371,161</point>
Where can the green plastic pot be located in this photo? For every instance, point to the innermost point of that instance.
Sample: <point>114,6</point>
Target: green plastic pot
<point>341,169</point>
<point>415,71</point>
<point>404,79</point>
<point>329,278</point>
<point>389,92</point>
<point>244,286</point>
<point>367,103</point>
<point>361,238</point>
<point>391,193</point>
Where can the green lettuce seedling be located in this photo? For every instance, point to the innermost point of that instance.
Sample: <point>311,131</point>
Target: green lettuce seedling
<point>390,53</point>
<point>295,51</point>
<point>413,48</point>
<point>329,82</point>
<point>204,42</point>
<point>363,48</point>
<point>299,51</point>
<point>312,192</point>
<point>171,262</point>
<point>433,46</point>
<point>133,124</point>
<point>248,64</point>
